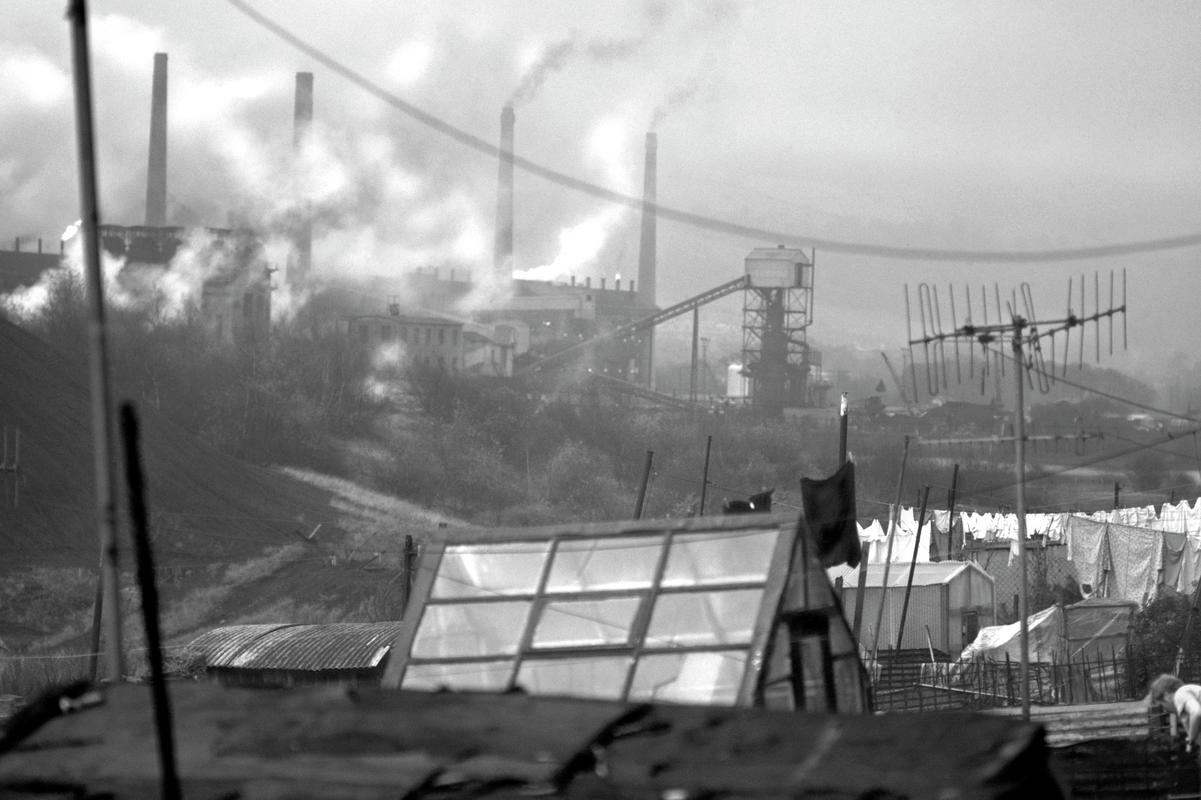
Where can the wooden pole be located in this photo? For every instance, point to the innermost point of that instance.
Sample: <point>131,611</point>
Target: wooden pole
<point>951,514</point>
<point>408,558</point>
<point>892,528</point>
<point>646,478</point>
<point>917,540</point>
<point>705,476</point>
<point>136,485</point>
<point>842,430</point>
<point>102,416</point>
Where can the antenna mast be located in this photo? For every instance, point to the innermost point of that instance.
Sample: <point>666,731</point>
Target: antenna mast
<point>1025,334</point>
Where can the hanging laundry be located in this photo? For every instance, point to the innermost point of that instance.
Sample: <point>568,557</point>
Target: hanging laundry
<point>1173,518</point>
<point>1088,550</point>
<point>1048,526</point>
<point>873,537</point>
<point>830,518</point>
<point>1174,545</point>
<point>1190,570</point>
<point>1136,555</point>
<point>1193,515</point>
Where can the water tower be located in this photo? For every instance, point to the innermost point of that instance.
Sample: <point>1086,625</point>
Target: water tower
<point>777,311</point>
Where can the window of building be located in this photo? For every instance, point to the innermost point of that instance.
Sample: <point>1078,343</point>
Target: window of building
<point>454,364</point>
<point>404,334</point>
<point>364,333</point>
<point>442,336</point>
<point>385,332</point>
<point>441,362</point>
<point>427,335</point>
<point>454,337</point>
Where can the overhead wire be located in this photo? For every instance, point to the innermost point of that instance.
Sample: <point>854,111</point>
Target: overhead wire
<point>695,220</point>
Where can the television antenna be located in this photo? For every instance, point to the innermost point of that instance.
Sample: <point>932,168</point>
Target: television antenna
<point>1033,342</point>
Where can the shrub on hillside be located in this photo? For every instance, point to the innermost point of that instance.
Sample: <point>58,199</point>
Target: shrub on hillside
<point>1159,628</point>
<point>580,478</point>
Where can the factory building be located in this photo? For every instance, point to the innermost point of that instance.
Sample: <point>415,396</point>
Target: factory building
<point>410,338</point>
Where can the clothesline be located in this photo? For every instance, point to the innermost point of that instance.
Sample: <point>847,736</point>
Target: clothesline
<point>1126,553</point>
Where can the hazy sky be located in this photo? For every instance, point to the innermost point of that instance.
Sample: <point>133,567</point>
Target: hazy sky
<point>981,126</point>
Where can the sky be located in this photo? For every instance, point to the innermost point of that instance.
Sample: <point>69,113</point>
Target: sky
<point>1007,126</point>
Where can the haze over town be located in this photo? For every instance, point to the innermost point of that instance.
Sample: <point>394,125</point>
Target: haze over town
<point>938,126</point>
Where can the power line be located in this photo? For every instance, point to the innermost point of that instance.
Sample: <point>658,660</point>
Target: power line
<point>699,220</point>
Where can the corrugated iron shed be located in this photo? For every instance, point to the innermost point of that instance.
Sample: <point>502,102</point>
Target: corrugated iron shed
<point>333,646</point>
<point>222,645</point>
<point>928,574</point>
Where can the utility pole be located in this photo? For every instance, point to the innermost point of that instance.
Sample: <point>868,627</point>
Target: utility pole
<point>1025,334</point>
<point>108,606</point>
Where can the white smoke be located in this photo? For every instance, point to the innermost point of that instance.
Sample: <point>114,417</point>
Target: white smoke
<point>581,243</point>
<point>27,302</point>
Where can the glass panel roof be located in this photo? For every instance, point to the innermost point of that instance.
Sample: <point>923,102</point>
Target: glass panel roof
<point>607,617</point>
<point>704,618</point>
<point>580,623</point>
<point>706,678</point>
<point>600,564</point>
<point>579,677</point>
<point>475,676</point>
<point>729,557</point>
<point>490,569</point>
<point>471,629</point>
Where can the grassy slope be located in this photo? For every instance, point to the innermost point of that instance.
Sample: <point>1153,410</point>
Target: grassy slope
<point>229,536</point>
<point>206,507</point>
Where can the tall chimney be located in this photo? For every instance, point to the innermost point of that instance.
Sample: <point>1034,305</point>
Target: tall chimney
<point>302,129</point>
<point>503,250</point>
<point>646,255</point>
<point>646,252</point>
<point>156,166</point>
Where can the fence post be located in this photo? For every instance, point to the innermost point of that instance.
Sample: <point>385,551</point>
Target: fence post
<point>1008,680</point>
<point>1038,679</point>
<point>1055,693</point>
<point>1071,682</point>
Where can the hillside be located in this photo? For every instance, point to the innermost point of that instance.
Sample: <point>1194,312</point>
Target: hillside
<point>206,507</point>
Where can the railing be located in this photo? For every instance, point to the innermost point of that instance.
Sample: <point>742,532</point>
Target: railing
<point>1098,678</point>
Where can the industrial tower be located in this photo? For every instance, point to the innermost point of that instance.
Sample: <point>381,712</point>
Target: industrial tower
<point>777,310</point>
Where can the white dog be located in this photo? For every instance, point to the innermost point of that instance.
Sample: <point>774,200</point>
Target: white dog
<point>1187,701</point>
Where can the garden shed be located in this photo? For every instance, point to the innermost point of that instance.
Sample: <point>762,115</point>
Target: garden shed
<point>950,601</point>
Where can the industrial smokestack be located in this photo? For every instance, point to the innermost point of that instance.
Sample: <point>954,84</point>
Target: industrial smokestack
<point>503,250</point>
<point>646,252</point>
<point>156,166</point>
<point>302,130</point>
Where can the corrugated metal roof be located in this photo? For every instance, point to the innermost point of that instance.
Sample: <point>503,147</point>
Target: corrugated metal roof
<point>334,646</point>
<point>222,645</point>
<point>927,574</point>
